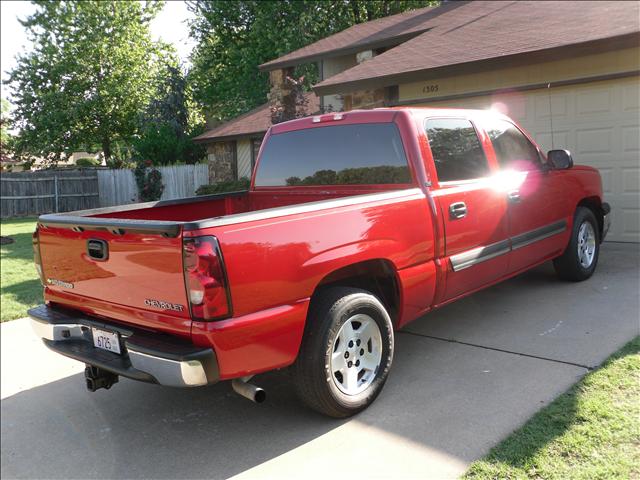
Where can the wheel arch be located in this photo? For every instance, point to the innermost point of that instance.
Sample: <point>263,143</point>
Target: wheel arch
<point>378,276</point>
<point>594,203</point>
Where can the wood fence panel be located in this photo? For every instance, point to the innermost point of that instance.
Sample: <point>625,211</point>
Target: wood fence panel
<point>35,193</point>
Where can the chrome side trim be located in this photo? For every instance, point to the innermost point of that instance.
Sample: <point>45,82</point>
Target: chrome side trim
<point>478,255</point>
<point>538,234</point>
<point>169,372</point>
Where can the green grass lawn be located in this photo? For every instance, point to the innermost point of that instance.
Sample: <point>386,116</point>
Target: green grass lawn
<point>19,284</point>
<point>590,432</point>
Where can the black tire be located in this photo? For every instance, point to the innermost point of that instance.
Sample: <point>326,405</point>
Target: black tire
<point>568,266</point>
<point>314,381</point>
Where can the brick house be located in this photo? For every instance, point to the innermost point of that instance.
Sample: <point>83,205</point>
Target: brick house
<point>569,72</point>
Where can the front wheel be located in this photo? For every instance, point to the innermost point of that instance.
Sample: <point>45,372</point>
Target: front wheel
<point>346,352</point>
<point>579,260</point>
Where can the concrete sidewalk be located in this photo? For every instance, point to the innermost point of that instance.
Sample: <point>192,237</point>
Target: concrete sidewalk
<point>464,377</point>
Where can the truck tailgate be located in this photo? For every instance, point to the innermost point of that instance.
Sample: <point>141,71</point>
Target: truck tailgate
<point>142,271</point>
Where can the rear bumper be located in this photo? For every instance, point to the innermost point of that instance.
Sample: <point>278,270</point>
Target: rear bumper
<point>156,358</point>
<point>606,220</point>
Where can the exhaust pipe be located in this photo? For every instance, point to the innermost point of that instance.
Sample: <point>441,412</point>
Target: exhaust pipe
<point>248,390</point>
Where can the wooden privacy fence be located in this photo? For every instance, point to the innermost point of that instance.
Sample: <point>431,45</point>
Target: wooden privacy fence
<point>34,193</point>
<point>118,187</point>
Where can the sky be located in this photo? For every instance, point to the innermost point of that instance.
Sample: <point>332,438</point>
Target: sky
<point>170,25</point>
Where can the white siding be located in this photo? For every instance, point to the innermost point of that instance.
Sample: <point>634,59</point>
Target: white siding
<point>244,158</point>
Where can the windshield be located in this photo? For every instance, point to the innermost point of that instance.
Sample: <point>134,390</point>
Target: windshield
<point>370,153</point>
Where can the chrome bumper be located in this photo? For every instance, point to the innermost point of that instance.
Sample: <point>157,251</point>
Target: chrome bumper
<point>146,357</point>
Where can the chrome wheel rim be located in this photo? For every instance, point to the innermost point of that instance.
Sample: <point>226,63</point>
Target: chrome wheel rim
<point>586,244</point>
<point>356,354</point>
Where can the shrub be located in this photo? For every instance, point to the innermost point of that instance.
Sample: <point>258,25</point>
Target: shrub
<point>149,181</point>
<point>222,187</point>
<point>87,162</point>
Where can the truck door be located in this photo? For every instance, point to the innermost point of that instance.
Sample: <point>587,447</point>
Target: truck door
<point>473,212</point>
<point>538,210</point>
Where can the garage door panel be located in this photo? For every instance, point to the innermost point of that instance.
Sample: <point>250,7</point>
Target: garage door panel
<point>630,224</point>
<point>631,180</point>
<point>631,139</point>
<point>594,140</point>
<point>560,104</point>
<point>594,101</point>
<point>557,139</point>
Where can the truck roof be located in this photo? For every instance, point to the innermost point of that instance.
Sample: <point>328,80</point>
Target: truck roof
<point>377,115</point>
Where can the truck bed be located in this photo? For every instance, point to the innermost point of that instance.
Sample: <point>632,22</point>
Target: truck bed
<point>169,216</point>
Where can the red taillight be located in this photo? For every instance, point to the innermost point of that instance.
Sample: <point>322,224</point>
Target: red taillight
<point>36,255</point>
<point>205,279</point>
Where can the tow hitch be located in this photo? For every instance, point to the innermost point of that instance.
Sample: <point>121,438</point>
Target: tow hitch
<point>98,378</point>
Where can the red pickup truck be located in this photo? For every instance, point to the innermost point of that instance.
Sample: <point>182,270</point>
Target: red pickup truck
<point>355,224</point>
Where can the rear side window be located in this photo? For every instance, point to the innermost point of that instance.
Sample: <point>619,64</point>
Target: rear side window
<point>369,153</point>
<point>513,149</point>
<point>456,149</point>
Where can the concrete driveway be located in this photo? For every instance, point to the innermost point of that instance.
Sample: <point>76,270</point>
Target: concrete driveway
<point>464,377</point>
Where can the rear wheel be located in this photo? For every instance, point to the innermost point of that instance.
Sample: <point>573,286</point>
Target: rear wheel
<point>579,260</point>
<point>346,352</point>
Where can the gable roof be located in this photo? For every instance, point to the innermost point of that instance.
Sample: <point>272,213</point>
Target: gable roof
<point>480,31</point>
<point>254,122</point>
<point>363,36</point>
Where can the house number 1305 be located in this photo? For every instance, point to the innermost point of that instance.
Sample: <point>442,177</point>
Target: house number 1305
<point>430,88</point>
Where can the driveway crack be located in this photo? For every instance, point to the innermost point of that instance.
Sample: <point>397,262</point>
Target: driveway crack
<point>538,357</point>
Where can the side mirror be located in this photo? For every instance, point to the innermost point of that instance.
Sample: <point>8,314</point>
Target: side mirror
<point>560,159</point>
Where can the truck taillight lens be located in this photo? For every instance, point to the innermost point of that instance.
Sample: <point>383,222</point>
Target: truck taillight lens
<point>205,279</point>
<point>37,259</point>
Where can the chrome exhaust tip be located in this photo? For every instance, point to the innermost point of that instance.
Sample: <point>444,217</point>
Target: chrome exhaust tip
<point>248,390</point>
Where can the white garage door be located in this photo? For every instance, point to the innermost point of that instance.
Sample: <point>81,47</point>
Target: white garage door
<point>600,123</point>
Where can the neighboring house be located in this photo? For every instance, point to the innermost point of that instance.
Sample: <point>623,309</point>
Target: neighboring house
<point>232,147</point>
<point>579,61</point>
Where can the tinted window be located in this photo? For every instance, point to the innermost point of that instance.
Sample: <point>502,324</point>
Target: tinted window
<point>456,149</point>
<point>337,155</point>
<point>513,149</point>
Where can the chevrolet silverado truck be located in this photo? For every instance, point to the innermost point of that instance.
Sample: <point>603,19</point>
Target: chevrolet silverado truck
<point>354,225</point>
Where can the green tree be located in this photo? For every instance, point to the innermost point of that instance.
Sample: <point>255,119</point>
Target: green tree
<point>88,77</point>
<point>168,124</point>
<point>5,138</point>
<point>233,38</point>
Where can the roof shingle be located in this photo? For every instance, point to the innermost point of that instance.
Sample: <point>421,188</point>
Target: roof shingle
<point>253,122</point>
<point>380,32</point>
<point>475,31</point>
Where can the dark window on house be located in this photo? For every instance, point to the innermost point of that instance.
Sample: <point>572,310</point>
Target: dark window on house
<point>369,153</point>
<point>513,149</point>
<point>456,150</point>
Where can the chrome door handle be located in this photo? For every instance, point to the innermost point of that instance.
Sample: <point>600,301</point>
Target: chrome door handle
<point>514,196</point>
<point>457,210</point>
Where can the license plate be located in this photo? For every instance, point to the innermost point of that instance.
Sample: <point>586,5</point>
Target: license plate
<point>106,340</point>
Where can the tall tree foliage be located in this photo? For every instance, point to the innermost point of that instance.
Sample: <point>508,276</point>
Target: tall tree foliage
<point>168,123</point>
<point>5,138</point>
<point>235,37</point>
<point>87,78</point>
